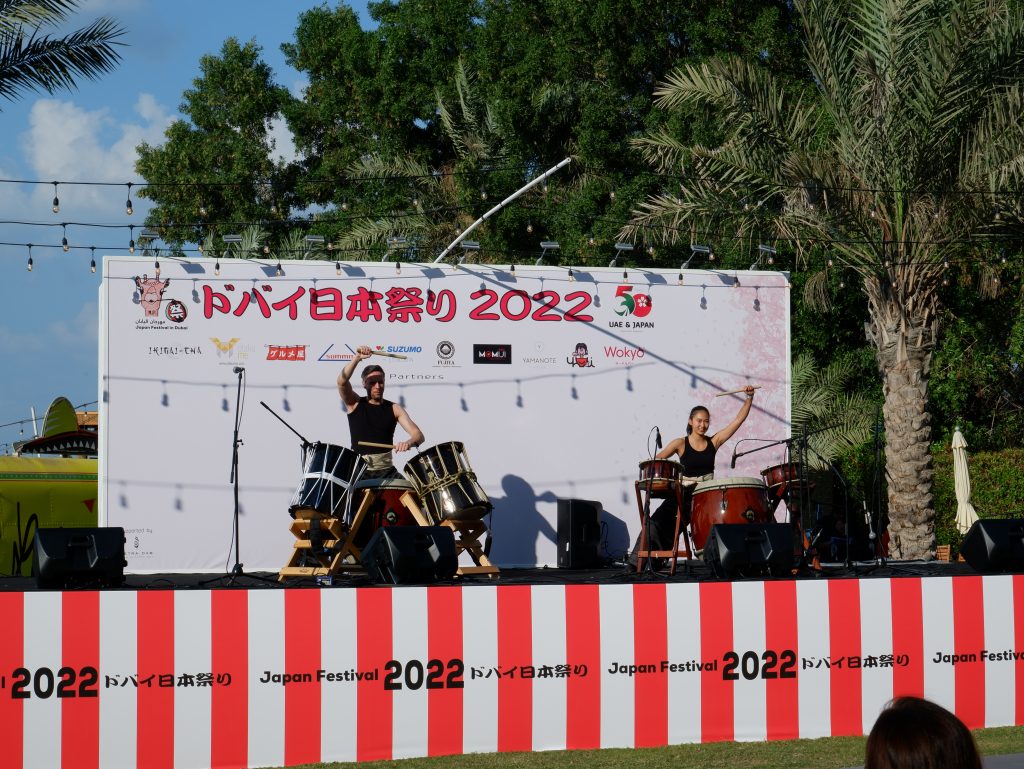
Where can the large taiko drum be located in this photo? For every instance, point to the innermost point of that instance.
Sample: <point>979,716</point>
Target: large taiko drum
<point>446,483</point>
<point>660,476</point>
<point>328,472</point>
<point>387,510</point>
<point>726,500</point>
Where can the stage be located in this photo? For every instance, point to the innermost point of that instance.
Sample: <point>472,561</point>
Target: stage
<point>180,671</point>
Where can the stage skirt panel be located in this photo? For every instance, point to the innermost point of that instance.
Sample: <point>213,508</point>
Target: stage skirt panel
<point>240,678</point>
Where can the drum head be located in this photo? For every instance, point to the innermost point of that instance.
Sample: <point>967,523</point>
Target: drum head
<point>725,483</point>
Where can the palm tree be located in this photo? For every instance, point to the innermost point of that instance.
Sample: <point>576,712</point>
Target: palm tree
<point>901,153</point>
<point>834,419</point>
<point>31,61</point>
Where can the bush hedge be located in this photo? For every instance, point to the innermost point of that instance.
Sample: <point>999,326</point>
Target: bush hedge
<point>997,488</point>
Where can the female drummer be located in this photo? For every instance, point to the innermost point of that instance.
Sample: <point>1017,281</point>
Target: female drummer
<point>695,451</point>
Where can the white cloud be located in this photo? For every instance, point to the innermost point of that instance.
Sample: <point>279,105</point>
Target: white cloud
<point>66,142</point>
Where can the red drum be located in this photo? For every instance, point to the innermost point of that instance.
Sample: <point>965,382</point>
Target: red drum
<point>726,500</point>
<point>327,473</point>
<point>446,483</point>
<point>661,474</point>
<point>779,474</point>
<point>386,510</point>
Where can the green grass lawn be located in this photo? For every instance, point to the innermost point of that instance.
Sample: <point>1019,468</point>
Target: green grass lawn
<point>825,753</point>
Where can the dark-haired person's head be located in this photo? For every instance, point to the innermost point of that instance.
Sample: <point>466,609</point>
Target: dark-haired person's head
<point>914,733</point>
<point>699,419</point>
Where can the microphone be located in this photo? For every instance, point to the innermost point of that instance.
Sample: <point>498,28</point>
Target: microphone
<point>238,369</point>
<point>733,463</point>
<point>657,437</point>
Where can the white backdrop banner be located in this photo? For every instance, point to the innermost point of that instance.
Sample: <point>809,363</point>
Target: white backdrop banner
<point>554,383</point>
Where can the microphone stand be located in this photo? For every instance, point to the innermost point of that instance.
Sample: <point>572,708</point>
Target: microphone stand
<point>237,570</point>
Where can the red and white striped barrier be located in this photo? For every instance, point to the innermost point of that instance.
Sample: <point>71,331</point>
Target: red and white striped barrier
<point>240,678</point>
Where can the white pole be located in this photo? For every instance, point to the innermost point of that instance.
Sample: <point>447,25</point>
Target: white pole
<point>500,206</point>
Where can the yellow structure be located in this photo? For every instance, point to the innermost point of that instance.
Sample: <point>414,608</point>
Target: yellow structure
<point>47,491</point>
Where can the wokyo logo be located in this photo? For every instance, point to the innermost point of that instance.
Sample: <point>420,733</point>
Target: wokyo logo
<point>492,353</point>
<point>623,356</point>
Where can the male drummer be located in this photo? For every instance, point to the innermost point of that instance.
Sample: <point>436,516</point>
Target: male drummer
<point>372,419</point>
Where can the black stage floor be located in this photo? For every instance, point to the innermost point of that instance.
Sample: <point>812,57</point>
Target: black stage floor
<point>613,574</point>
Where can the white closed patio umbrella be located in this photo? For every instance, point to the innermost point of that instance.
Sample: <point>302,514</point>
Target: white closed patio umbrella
<point>965,513</point>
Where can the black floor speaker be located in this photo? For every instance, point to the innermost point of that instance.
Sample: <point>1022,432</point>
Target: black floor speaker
<point>750,550</point>
<point>995,545</point>
<point>579,533</point>
<point>403,555</point>
<point>70,558</point>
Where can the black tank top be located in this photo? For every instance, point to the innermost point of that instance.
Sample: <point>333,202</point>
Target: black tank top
<point>698,462</point>
<point>376,424</point>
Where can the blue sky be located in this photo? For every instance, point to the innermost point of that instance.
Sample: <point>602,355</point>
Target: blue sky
<point>49,317</point>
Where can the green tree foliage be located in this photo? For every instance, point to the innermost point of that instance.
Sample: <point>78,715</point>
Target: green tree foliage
<point>215,171</point>
<point>904,144</point>
<point>31,61</point>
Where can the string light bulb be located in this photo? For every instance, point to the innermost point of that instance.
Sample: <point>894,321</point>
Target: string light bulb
<point>92,264</point>
<point>337,268</point>
<point>56,200</point>
<point>512,269</point>
<point>483,194</point>
<point>216,268</point>
<point>344,204</point>
<point>611,194</point>
<point>590,239</point>
<point>131,238</point>
<point>650,250</point>
<point>398,268</point>
<point>572,278</point>
<point>280,270</point>
<point>64,239</point>
<point>128,207</point>
<point>679,280</point>
<point>529,225</point>
<point>29,265</point>
<point>203,210</point>
<point>156,269</point>
<point>266,250</point>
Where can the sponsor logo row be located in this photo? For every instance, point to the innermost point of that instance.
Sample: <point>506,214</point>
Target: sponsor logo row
<point>444,354</point>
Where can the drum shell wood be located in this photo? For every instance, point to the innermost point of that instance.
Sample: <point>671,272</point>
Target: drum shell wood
<point>386,510</point>
<point>728,500</point>
<point>779,474</point>
<point>659,476</point>
<point>446,483</point>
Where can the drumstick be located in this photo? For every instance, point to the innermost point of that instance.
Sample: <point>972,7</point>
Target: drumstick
<point>733,392</point>
<point>389,354</point>
<point>371,444</point>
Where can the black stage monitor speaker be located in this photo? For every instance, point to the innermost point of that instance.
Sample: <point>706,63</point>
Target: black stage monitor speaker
<point>67,558</point>
<point>579,533</point>
<point>410,554</point>
<point>995,544</point>
<point>750,550</point>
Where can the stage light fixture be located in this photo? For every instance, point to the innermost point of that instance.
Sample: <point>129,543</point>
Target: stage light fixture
<point>545,246</point>
<point>620,248</point>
